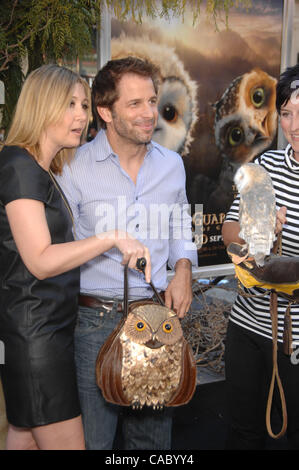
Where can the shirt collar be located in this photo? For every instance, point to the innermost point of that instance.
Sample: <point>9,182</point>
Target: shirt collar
<point>104,150</point>
<point>291,162</point>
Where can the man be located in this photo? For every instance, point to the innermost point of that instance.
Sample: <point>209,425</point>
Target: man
<point>123,180</point>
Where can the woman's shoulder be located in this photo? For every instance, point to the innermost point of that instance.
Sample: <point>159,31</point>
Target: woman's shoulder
<point>13,157</point>
<point>13,154</point>
<point>21,176</point>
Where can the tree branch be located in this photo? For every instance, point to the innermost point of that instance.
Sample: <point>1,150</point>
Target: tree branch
<point>9,56</point>
<point>11,15</point>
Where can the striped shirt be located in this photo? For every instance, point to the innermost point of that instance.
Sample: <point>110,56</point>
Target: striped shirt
<point>254,313</point>
<point>103,197</point>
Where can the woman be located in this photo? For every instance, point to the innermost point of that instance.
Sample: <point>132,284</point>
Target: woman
<point>40,262</point>
<point>249,336</point>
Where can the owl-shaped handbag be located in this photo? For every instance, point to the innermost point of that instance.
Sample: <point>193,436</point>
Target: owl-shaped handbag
<point>146,361</point>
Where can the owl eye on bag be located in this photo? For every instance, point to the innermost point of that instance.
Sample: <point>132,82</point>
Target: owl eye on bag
<point>140,326</point>
<point>136,327</point>
<point>167,327</point>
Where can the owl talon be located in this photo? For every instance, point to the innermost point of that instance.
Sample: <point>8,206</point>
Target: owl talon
<point>159,406</point>
<point>137,405</point>
<point>237,252</point>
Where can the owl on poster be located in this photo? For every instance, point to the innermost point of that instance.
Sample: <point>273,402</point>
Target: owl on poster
<point>245,116</point>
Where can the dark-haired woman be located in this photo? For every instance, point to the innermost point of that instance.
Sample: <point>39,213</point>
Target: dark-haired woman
<point>249,337</point>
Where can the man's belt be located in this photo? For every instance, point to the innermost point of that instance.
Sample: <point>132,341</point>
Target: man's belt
<point>97,302</point>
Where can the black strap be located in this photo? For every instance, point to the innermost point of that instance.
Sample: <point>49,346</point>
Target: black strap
<point>160,300</point>
<point>126,300</point>
<point>141,263</point>
<point>141,266</point>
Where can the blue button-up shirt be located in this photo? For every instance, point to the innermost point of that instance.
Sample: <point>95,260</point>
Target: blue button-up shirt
<point>103,197</point>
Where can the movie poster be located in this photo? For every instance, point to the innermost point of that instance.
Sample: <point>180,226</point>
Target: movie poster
<point>217,101</point>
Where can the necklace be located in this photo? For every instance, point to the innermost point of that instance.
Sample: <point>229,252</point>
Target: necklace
<point>64,200</point>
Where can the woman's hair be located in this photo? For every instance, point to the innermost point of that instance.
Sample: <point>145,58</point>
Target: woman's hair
<point>287,85</point>
<point>105,84</point>
<point>44,98</point>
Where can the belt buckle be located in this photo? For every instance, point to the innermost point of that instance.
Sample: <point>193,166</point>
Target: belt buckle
<point>106,308</point>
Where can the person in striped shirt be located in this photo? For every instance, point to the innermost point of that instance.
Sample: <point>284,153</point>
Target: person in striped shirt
<point>249,334</point>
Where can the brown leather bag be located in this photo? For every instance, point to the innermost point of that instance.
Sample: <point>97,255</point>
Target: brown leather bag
<point>146,361</point>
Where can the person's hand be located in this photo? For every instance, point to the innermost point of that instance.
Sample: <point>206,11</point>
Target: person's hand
<point>178,294</point>
<point>132,249</point>
<point>280,219</point>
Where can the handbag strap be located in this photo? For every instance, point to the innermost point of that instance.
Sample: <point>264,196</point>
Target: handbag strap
<point>126,299</point>
<point>141,263</point>
<point>275,375</point>
<point>277,249</point>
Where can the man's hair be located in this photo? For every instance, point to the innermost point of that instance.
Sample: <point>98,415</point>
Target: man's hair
<point>286,86</point>
<point>105,85</point>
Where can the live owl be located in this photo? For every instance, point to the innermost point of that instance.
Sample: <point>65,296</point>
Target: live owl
<point>257,212</point>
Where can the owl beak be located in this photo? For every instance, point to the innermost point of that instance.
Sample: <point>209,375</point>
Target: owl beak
<point>153,343</point>
<point>264,128</point>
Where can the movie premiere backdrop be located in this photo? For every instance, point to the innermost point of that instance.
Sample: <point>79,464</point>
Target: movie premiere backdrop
<point>217,102</point>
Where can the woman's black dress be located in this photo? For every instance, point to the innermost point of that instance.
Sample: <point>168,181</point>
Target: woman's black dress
<point>37,317</point>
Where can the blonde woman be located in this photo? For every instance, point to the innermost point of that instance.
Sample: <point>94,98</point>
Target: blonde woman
<point>40,261</point>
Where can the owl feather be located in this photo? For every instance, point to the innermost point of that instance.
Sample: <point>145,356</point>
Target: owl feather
<point>146,361</point>
<point>257,211</point>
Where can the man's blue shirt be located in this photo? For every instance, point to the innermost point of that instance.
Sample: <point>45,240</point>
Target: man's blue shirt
<point>103,197</point>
